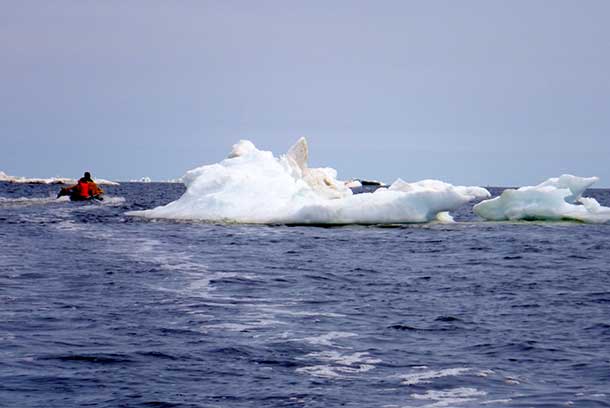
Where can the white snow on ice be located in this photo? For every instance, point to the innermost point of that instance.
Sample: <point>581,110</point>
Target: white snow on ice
<point>557,198</point>
<point>253,186</point>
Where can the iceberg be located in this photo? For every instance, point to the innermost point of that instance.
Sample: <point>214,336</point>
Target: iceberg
<point>558,198</point>
<point>254,186</point>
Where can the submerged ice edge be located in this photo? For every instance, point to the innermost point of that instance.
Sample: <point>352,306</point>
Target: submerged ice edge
<point>254,186</point>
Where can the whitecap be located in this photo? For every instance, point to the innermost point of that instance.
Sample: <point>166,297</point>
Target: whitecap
<point>250,324</point>
<point>358,358</point>
<point>449,397</point>
<point>323,371</point>
<point>426,376</point>
<point>326,339</point>
<point>112,200</point>
<point>342,364</point>
<point>28,201</point>
<point>279,311</point>
<point>496,401</point>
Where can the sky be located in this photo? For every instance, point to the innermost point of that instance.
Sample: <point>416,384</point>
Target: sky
<point>486,92</point>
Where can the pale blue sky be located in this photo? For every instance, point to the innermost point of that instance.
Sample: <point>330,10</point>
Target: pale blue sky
<point>471,92</point>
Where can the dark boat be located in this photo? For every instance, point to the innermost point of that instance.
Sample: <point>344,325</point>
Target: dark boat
<point>74,196</point>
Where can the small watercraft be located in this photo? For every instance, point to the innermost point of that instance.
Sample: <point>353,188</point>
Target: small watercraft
<point>84,190</point>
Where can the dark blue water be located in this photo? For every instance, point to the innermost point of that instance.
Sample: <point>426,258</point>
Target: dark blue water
<point>98,309</point>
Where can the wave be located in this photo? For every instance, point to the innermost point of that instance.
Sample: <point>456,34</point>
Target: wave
<point>29,201</point>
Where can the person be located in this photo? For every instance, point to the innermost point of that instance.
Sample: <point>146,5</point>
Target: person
<point>89,187</point>
<point>84,189</point>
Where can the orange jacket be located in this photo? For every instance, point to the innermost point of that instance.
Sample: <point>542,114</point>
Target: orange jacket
<point>83,189</point>
<point>94,190</point>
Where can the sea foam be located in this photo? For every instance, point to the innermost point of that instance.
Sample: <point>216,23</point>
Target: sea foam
<point>254,186</point>
<point>558,198</point>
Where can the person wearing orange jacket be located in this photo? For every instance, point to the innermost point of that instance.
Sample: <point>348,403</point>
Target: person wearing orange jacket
<point>84,189</point>
<point>89,187</point>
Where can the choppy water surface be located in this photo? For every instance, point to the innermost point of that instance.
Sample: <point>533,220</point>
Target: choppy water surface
<point>102,310</point>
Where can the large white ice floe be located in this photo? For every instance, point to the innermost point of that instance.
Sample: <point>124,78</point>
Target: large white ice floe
<point>253,186</point>
<point>557,198</point>
<point>50,180</point>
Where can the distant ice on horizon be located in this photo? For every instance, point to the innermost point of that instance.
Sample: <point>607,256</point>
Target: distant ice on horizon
<point>50,180</point>
<point>254,186</point>
<point>145,179</point>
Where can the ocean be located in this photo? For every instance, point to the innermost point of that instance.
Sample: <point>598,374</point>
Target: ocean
<point>101,309</point>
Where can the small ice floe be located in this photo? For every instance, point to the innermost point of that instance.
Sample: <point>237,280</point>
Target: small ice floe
<point>105,182</point>
<point>253,186</point>
<point>557,198</point>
